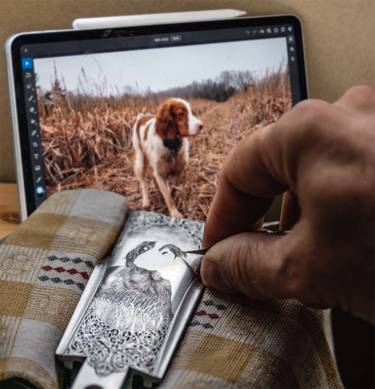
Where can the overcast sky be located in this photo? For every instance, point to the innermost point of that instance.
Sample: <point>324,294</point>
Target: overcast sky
<point>164,68</point>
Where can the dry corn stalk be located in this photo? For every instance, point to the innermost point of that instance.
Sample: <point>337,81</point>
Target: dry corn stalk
<point>88,142</point>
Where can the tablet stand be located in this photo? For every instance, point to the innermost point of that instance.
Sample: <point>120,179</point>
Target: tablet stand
<point>152,19</point>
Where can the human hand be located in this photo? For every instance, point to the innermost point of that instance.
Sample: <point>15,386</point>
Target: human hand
<point>323,156</point>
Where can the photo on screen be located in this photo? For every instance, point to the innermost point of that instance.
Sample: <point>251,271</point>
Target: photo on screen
<point>88,105</point>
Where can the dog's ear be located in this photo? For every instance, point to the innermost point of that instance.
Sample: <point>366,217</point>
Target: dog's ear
<point>165,125</point>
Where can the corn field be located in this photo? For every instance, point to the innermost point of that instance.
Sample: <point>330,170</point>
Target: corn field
<point>87,141</point>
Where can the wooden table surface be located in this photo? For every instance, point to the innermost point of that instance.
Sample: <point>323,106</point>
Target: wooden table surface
<point>8,208</point>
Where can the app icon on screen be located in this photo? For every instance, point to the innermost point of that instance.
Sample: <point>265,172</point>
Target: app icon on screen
<point>27,63</point>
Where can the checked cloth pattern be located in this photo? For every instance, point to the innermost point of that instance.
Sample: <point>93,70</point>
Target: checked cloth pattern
<point>233,343</point>
<point>230,342</point>
<point>44,266</point>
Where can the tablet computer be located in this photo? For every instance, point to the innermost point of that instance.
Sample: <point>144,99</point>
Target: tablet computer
<point>148,112</point>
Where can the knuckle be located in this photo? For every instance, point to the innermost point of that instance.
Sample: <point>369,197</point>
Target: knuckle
<point>361,95</point>
<point>311,116</point>
<point>312,111</point>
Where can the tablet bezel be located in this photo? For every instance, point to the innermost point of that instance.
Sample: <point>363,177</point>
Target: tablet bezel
<point>16,88</point>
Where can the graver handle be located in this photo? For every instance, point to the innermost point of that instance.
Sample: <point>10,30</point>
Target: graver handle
<point>265,231</point>
<point>197,252</point>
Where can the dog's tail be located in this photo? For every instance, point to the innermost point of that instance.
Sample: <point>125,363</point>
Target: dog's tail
<point>139,116</point>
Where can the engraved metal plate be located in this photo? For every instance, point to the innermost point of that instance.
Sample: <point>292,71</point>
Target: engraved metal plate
<point>137,303</point>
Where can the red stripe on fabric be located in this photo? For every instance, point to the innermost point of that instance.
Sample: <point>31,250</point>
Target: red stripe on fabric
<point>71,271</point>
<point>210,315</point>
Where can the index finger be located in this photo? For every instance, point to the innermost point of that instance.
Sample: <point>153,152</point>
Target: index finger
<point>246,188</point>
<point>267,163</point>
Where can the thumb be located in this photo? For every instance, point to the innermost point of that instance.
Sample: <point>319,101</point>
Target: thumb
<point>249,263</point>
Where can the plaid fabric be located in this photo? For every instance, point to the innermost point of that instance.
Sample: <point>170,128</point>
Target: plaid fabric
<point>233,343</point>
<point>44,266</point>
<point>230,343</point>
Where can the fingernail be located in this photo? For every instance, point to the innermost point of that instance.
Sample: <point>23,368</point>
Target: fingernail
<point>211,275</point>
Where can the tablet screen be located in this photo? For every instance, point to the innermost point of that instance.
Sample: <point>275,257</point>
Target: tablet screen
<point>153,117</point>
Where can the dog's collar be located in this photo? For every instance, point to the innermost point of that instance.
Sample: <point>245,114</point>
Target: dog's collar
<point>173,144</point>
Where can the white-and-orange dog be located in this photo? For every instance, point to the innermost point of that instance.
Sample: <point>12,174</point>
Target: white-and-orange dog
<point>161,141</point>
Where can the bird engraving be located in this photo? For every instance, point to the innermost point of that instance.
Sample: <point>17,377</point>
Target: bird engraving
<point>128,318</point>
<point>178,253</point>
